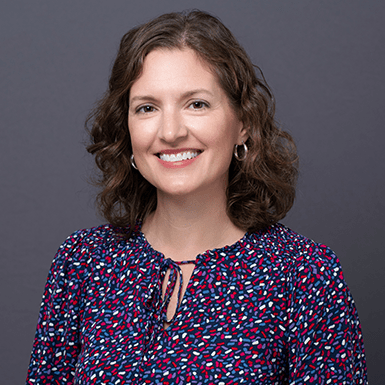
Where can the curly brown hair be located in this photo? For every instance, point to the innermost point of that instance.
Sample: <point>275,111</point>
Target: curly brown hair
<point>261,188</point>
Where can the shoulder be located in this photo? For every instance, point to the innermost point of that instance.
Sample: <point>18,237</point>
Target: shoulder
<point>310,272</point>
<point>281,240</point>
<point>100,237</point>
<point>297,254</point>
<point>87,254</point>
<point>322,327</point>
<point>86,247</point>
<point>96,236</point>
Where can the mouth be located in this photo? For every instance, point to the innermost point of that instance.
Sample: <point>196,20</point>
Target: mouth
<point>178,156</point>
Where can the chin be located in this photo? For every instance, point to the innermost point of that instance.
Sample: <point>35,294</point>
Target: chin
<point>176,192</point>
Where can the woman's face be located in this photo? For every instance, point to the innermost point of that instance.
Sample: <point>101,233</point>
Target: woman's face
<point>182,126</point>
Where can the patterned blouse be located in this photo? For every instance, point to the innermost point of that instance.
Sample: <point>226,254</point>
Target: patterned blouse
<point>273,308</point>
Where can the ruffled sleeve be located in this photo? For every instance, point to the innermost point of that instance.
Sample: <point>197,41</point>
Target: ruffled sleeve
<point>325,344</point>
<point>57,342</point>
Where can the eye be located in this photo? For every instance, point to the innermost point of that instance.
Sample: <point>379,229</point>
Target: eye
<point>145,109</point>
<point>198,105</point>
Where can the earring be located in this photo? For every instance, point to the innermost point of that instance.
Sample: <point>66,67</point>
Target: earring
<point>133,162</point>
<point>245,150</point>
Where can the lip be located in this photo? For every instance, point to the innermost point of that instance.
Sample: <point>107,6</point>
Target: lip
<point>179,164</point>
<point>178,150</point>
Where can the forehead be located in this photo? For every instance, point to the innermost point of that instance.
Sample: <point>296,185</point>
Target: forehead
<point>174,68</point>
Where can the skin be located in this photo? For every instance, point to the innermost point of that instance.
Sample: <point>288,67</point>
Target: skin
<point>178,105</point>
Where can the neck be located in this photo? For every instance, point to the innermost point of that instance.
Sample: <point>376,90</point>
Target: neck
<point>183,227</point>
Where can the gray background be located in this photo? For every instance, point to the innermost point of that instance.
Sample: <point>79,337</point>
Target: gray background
<point>324,61</point>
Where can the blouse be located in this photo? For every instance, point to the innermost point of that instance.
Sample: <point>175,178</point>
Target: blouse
<point>273,308</point>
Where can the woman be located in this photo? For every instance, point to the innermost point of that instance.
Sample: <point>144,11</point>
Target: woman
<point>193,281</point>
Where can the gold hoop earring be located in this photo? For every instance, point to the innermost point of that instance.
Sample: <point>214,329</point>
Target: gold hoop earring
<point>245,150</point>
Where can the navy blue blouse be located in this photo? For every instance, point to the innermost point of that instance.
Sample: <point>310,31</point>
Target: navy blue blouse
<point>273,308</point>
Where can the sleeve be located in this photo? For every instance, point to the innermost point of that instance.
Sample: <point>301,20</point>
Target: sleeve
<point>325,344</point>
<point>57,343</point>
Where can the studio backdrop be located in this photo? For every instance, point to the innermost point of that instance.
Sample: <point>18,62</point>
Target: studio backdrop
<point>324,61</point>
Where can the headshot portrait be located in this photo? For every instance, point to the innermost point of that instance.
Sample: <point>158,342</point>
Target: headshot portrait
<point>192,193</point>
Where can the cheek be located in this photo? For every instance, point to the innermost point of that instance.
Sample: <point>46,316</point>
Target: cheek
<point>131,130</point>
<point>227,135</point>
<point>221,129</point>
<point>140,136</point>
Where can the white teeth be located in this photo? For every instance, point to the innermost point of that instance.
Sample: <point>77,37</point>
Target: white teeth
<point>178,157</point>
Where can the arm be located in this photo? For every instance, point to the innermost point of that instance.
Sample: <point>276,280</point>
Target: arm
<point>57,344</point>
<point>325,344</point>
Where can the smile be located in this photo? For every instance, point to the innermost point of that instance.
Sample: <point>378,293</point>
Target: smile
<point>186,155</point>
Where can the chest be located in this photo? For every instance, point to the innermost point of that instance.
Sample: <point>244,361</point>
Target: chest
<point>174,286</point>
<point>230,324</point>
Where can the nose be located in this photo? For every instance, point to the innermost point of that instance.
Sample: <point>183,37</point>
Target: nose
<point>172,128</point>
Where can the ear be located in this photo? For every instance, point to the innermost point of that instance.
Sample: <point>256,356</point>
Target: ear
<point>243,134</point>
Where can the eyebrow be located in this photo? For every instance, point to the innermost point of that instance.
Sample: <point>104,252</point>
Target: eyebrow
<point>183,96</point>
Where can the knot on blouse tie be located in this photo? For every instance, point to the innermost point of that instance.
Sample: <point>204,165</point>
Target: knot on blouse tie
<point>171,283</point>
